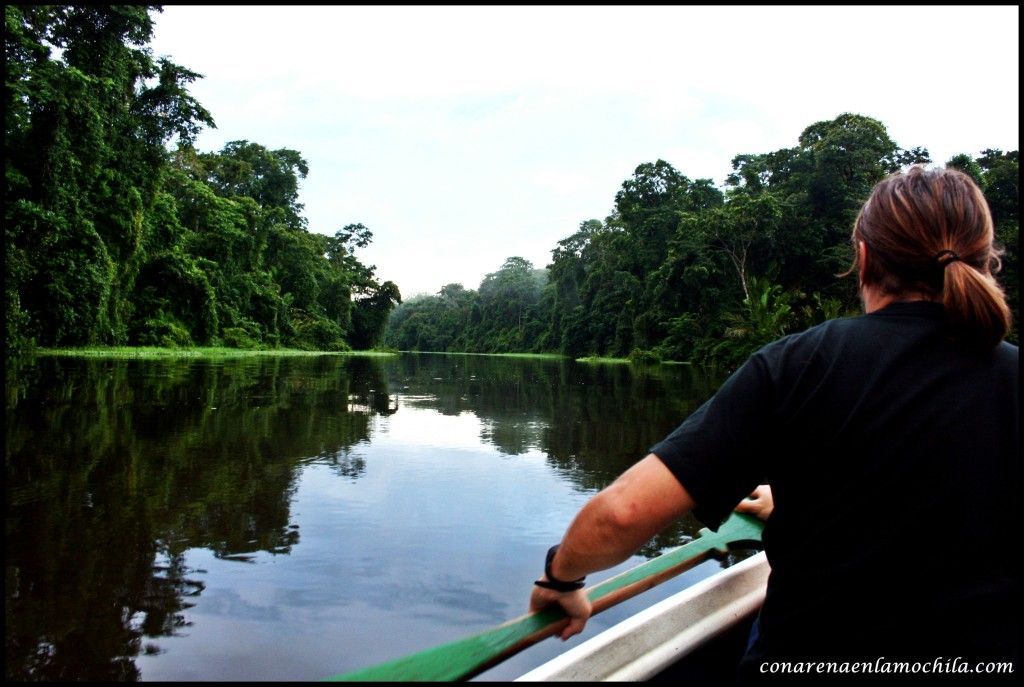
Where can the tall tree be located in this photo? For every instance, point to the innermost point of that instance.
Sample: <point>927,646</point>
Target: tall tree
<point>112,238</point>
<point>84,141</point>
<point>1001,177</point>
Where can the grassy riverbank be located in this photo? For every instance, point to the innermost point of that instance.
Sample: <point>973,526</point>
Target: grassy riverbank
<point>589,360</point>
<point>197,352</point>
<point>148,352</point>
<point>530,356</point>
<point>599,360</point>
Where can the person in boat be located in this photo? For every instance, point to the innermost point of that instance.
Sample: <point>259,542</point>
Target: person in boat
<point>890,442</point>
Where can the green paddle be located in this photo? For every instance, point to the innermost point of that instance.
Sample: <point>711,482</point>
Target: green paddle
<point>464,658</point>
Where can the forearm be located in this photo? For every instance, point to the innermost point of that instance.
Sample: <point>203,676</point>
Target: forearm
<point>608,529</point>
<point>620,519</point>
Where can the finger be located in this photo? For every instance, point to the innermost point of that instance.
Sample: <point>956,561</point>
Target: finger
<point>574,627</point>
<point>748,506</point>
<point>539,601</point>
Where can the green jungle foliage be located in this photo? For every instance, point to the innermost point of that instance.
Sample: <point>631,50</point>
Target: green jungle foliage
<point>114,236</point>
<point>119,232</point>
<point>683,271</point>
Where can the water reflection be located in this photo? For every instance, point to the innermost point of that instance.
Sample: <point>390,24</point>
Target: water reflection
<point>127,482</point>
<point>593,421</point>
<point>112,465</point>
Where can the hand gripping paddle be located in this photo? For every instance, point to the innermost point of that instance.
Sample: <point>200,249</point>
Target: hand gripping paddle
<point>465,658</point>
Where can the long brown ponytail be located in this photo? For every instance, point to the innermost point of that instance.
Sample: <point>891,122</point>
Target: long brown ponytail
<point>929,231</point>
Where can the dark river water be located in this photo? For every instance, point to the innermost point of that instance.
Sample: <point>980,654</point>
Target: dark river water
<point>277,518</point>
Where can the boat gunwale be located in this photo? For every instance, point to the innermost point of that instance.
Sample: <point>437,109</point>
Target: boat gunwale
<point>649,641</point>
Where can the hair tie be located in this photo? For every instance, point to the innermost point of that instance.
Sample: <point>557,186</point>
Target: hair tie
<point>944,257</point>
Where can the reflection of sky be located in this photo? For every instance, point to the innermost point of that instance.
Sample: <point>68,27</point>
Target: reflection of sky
<point>438,538</point>
<point>417,427</point>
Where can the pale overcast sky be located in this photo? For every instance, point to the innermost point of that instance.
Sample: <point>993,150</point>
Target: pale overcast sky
<point>464,135</point>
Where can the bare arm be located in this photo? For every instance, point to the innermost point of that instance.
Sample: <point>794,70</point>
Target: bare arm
<point>609,528</point>
<point>616,522</point>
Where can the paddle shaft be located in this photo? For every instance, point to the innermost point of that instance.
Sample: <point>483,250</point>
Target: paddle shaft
<point>598,604</point>
<point>465,658</point>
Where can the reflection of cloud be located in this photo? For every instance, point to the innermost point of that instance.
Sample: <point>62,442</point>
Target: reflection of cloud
<point>449,600</point>
<point>431,428</point>
<point>313,597</point>
<point>227,602</point>
<point>455,593</point>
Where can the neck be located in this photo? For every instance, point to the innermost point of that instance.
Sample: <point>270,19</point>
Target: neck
<point>874,299</point>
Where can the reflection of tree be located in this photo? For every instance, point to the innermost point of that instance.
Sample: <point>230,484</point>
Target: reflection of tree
<point>115,468</point>
<point>344,463</point>
<point>369,390</point>
<point>512,397</point>
<point>592,421</point>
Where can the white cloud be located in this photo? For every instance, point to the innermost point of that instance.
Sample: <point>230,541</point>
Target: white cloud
<point>464,135</point>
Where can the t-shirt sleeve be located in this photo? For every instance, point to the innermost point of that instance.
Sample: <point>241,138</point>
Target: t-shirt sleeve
<point>717,453</point>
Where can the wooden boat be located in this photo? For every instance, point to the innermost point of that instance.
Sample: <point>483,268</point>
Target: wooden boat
<point>658,640</point>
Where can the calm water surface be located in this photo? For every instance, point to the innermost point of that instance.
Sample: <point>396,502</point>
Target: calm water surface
<point>296,518</point>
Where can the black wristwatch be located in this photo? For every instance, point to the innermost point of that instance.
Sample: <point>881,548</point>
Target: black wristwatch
<point>553,582</point>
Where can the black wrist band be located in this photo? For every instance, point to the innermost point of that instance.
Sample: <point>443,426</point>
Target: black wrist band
<point>553,582</point>
<point>559,586</point>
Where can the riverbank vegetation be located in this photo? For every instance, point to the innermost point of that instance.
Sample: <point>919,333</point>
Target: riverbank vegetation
<point>682,270</point>
<point>117,231</point>
<point>149,352</point>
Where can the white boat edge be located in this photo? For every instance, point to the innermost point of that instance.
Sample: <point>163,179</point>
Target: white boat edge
<point>646,643</point>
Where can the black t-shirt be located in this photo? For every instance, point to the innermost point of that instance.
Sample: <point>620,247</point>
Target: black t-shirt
<point>892,454</point>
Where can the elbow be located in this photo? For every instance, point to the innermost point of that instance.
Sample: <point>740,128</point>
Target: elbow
<point>620,517</point>
<point>635,507</point>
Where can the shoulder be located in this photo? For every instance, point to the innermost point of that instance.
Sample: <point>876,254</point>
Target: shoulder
<point>828,338</point>
<point>1007,359</point>
<point>1007,353</point>
<point>812,354</point>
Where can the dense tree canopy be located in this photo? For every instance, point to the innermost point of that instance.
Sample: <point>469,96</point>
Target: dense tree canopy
<point>682,270</point>
<point>117,231</point>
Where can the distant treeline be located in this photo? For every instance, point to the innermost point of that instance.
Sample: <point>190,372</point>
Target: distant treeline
<point>681,270</point>
<point>114,236</point>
